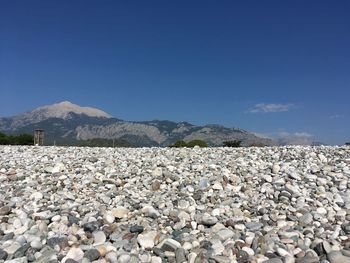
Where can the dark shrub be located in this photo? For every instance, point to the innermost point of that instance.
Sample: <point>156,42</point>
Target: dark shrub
<point>179,144</point>
<point>182,143</point>
<point>234,143</point>
<point>21,139</point>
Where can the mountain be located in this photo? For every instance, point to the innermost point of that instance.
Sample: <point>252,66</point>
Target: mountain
<point>66,123</point>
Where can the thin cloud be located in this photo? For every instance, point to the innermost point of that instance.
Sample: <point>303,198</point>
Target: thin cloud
<point>270,107</point>
<point>336,116</point>
<point>297,138</point>
<point>262,135</point>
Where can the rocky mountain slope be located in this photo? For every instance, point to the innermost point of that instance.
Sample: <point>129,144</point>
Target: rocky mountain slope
<point>67,122</point>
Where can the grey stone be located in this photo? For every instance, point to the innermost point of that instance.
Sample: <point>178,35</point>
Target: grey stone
<point>3,254</point>
<point>306,219</point>
<point>337,257</point>
<point>21,251</point>
<point>136,229</point>
<point>5,210</point>
<point>60,241</point>
<point>225,234</point>
<point>180,255</point>
<point>254,226</point>
<point>208,220</point>
<point>273,260</point>
<point>92,254</point>
<point>91,226</point>
<point>169,245</point>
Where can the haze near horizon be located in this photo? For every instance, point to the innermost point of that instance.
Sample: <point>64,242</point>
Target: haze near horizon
<point>271,67</point>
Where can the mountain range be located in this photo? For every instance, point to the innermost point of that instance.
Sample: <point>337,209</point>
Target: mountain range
<point>67,123</point>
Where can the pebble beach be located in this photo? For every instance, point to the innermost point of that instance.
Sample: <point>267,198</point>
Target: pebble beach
<point>154,205</point>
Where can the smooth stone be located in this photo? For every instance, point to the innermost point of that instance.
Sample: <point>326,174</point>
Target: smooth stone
<point>3,254</point>
<point>112,257</point>
<point>18,260</point>
<point>12,248</point>
<point>46,255</point>
<point>36,196</point>
<point>5,210</point>
<point>109,218</point>
<point>183,204</point>
<point>203,184</point>
<point>146,240</point>
<point>225,234</point>
<point>240,227</point>
<point>337,257</point>
<point>321,211</point>
<point>75,253</point>
<point>217,186</point>
<point>103,250</point>
<point>267,178</point>
<point>180,255</point>
<point>99,237</point>
<point>21,251</point>
<point>124,258</point>
<point>155,185</point>
<point>92,254</point>
<point>295,176</point>
<point>60,241</point>
<point>306,219</point>
<point>221,259</point>
<point>169,245</point>
<point>73,220</point>
<point>248,250</point>
<point>308,259</point>
<point>157,172</point>
<point>120,212</point>
<point>156,259</point>
<point>208,220</point>
<point>276,168</point>
<point>91,226</point>
<point>56,218</point>
<point>8,236</point>
<point>242,256</point>
<point>273,260</point>
<point>150,211</point>
<point>136,229</point>
<point>254,226</point>
<point>36,244</point>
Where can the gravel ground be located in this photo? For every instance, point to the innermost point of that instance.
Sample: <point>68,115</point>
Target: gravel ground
<point>273,204</point>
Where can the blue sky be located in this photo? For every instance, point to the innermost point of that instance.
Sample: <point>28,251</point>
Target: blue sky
<point>280,68</point>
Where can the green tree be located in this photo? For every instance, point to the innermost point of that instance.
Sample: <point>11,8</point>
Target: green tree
<point>4,140</point>
<point>24,139</point>
<point>182,143</point>
<point>234,143</point>
<point>21,139</point>
<point>179,144</point>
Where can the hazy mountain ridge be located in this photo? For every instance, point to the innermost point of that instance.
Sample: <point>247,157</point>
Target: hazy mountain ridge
<point>72,122</point>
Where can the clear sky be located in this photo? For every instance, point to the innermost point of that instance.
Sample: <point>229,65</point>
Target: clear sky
<point>273,67</point>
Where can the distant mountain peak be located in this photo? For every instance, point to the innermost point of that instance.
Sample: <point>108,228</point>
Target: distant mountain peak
<point>67,121</point>
<point>62,110</point>
<point>66,103</point>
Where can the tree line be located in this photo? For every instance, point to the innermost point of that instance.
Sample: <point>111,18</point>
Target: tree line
<point>201,143</point>
<point>21,139</point>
